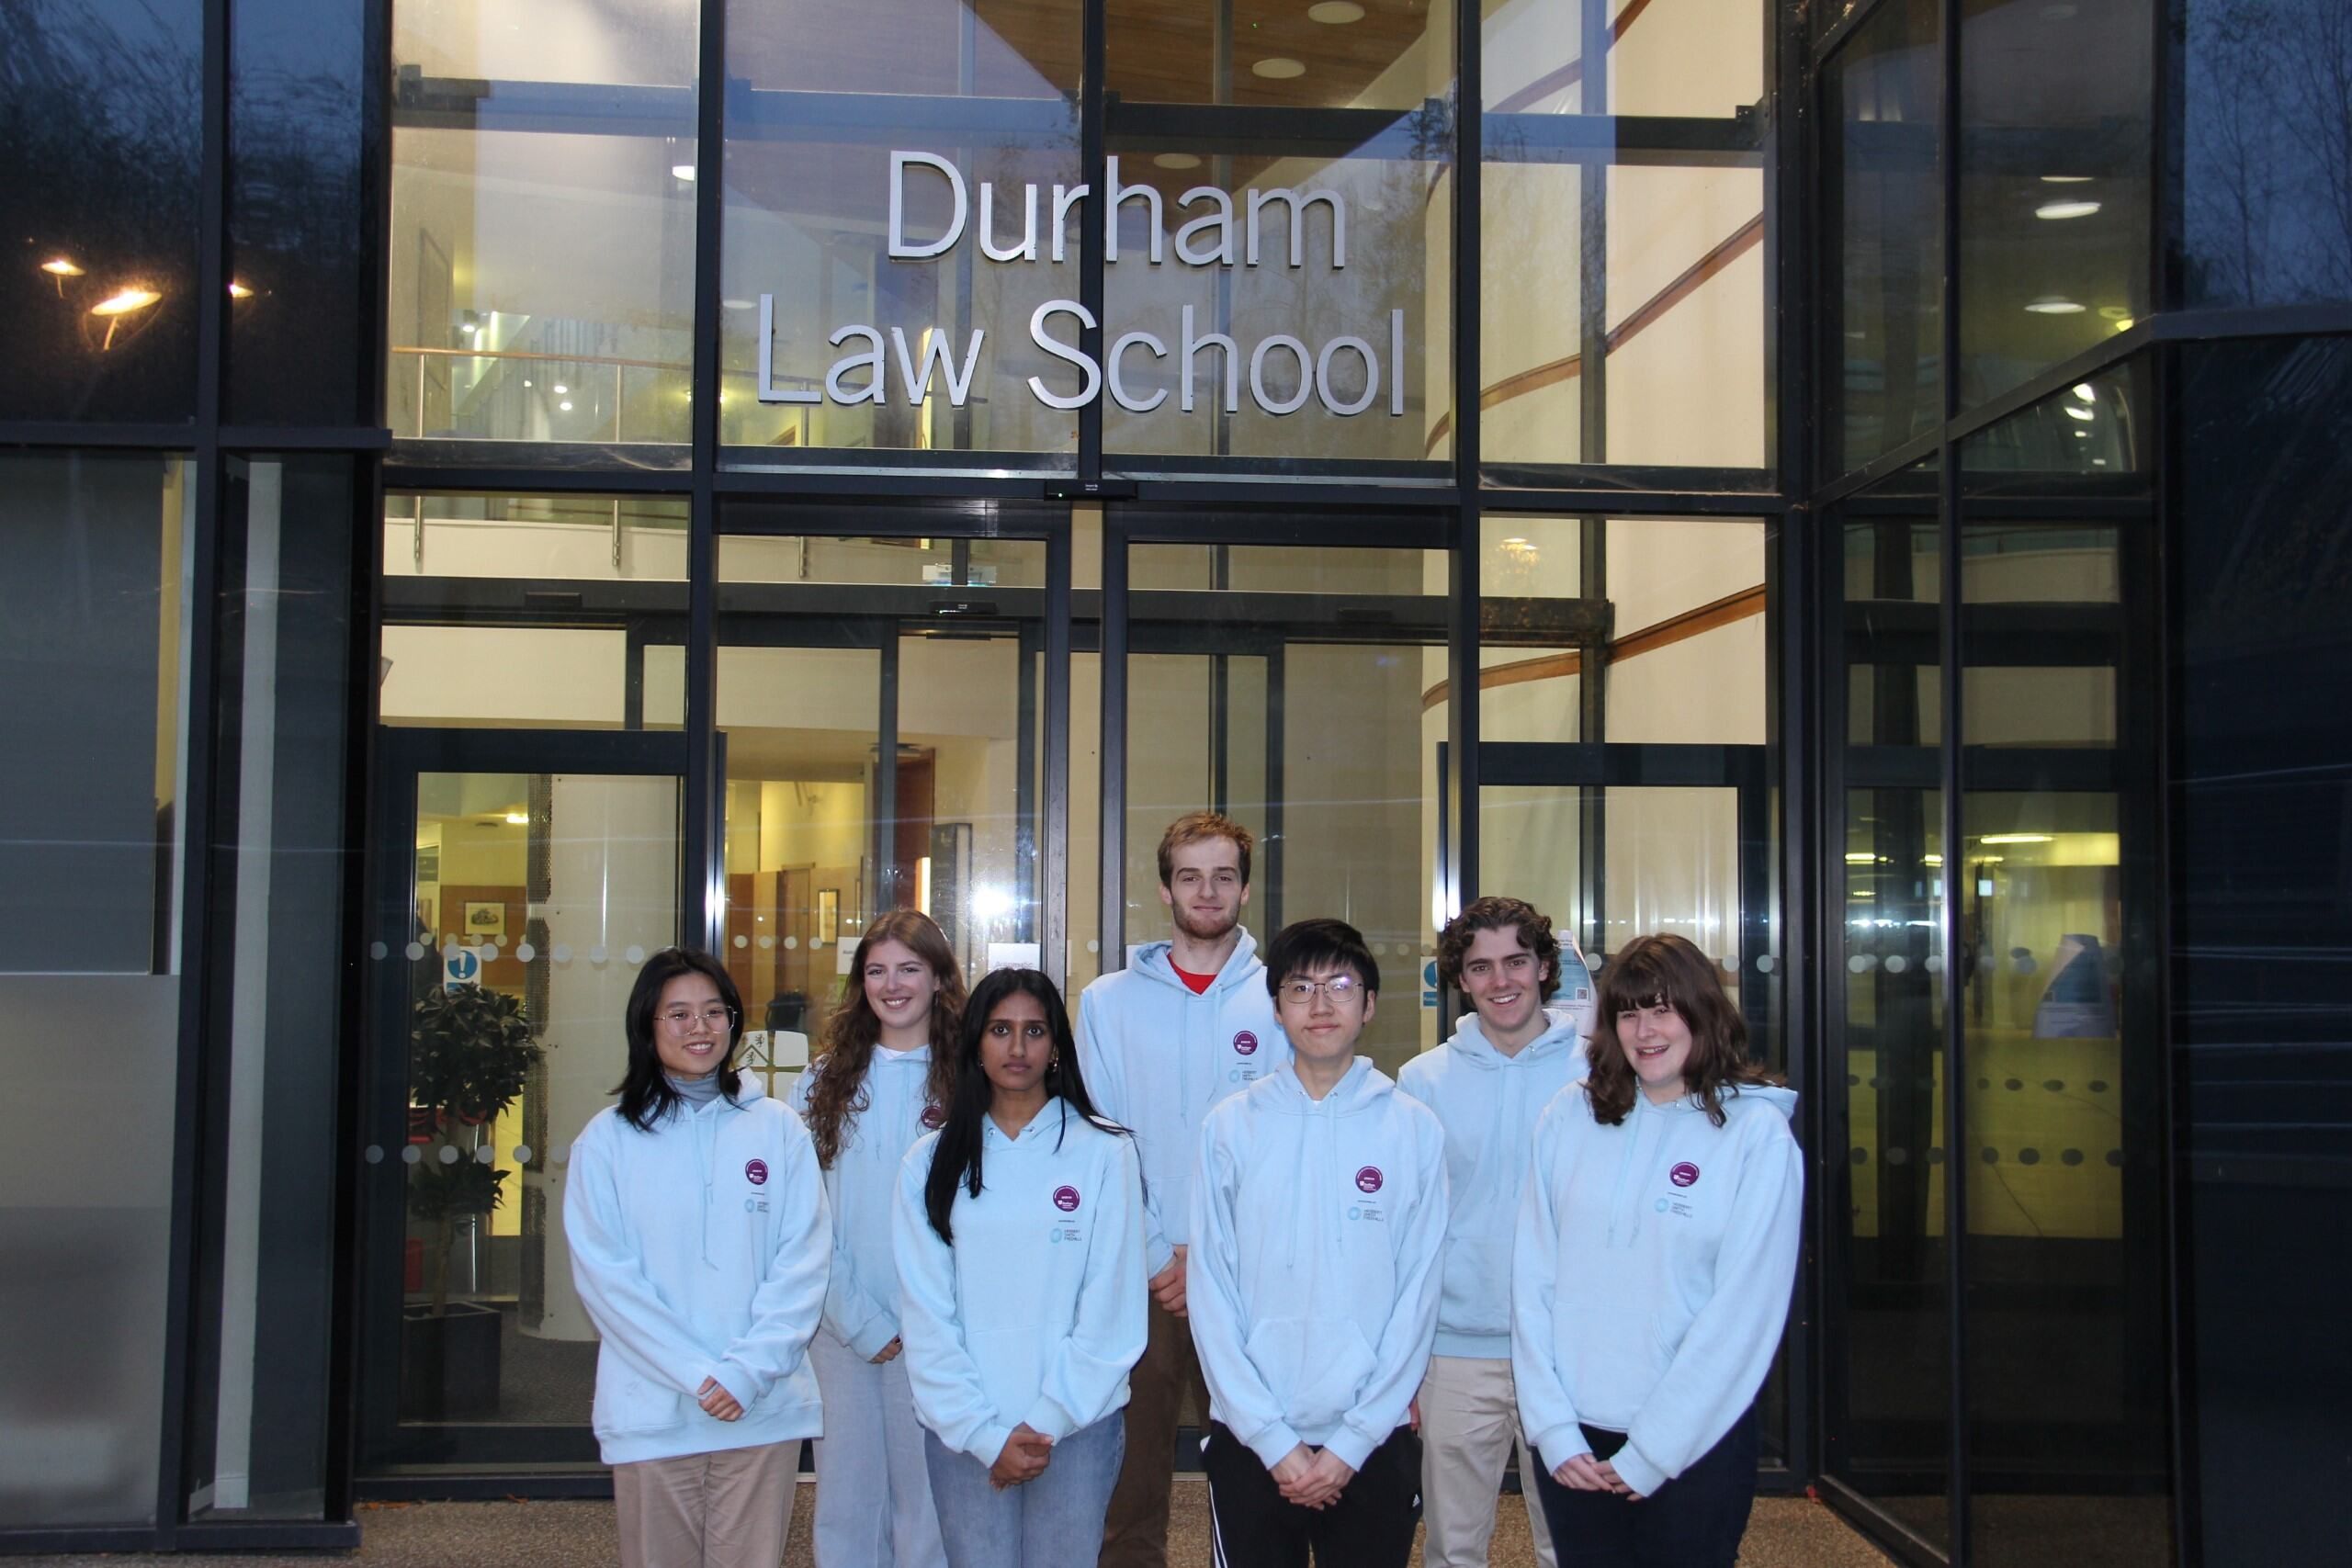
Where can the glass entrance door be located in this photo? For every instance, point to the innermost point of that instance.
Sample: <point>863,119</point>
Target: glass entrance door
<point>523,881</point>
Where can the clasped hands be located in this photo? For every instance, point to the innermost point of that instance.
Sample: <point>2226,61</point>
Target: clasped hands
<point>1024,1458</point>
<point>1586,1473</point>
<point>1312,1477</point>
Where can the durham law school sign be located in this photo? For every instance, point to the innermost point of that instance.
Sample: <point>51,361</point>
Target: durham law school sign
<point>1220,236</point>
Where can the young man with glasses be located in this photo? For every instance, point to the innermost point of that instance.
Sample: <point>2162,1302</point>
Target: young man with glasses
<point>1489,1083</point>
<point>1186,1023</point>
<point>1318,1217</point>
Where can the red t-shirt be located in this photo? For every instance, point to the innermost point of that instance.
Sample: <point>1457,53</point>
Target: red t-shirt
<point>1198,984</point>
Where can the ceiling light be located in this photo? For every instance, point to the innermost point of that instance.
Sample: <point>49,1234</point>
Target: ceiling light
<point>2065,179</point>
<point>467,328</point>
<point>2014,839</point>
<point>2082,391</point>
<point>1177,161</point>
<point>1278,69</point>
<point>125,301</point>
<point>57,266</point>
<point>560,388</point>
<point>2065,209</point>
<point>1860,857</point>
<point>564,406</point>
<point>519,818</point>
<point>2082,436</point>
<point>527,383</point>
<point>239,291</point>
<point>1335,13</point>
<point>2054,305</point>
<point>739,304</point>
<point>2074,412</point>
<point>2122,324</point>
<point>683,171</point>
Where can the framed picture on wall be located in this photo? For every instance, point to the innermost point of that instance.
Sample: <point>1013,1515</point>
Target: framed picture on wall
<point>486,918</point>
<point>828,914</point>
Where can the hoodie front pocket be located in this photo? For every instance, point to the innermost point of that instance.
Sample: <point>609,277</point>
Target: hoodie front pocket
<point>1315,1367</point>
<point>627,1404</point>
<point>1476,1297</point>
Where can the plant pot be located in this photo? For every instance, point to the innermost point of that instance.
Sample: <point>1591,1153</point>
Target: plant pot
<point>448,1362</point>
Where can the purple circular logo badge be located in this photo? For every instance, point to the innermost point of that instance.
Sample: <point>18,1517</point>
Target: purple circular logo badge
<point>933,1117</point>
<point>1368,1178</point>
<point>1066,1199</point>
<point>757,1172</point>
<point>1683,1174</point>
<point>1245,1043</point>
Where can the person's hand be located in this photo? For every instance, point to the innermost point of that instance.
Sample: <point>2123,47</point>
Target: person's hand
<point>1023,1458</point>
<point>716,1401</point>
<point>888,1352</point>
<point>1413,1415</point>
<point>1167,1285</point>
<point>1291,1470</point>
<point>1325,1479</point>
<point>1585,1473</point>
<point>1616,1482</point>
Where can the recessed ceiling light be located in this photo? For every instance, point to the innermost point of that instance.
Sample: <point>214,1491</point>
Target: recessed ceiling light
<point>2082,391</point>
<point>560,388</point>
<point>2065,179</point>
<point>2065,209</point>
<point>565,406</point>
<point>59,266</point>
<point>1278,69</point>
<point>2054,305</point>
<point>1335,13</point>
<point>527,383</point>
<point>684,170</point>
<point>2086,415</point>
<point>519,818</point>
<point>739,304</point>
<point>239,291</point>
<point>1177,161</point>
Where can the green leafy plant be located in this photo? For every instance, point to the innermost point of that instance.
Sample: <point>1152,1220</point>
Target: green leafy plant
<point>470,1052</point>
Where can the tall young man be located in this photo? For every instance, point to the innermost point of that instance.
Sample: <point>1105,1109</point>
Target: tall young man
<point>1318,1217</point>
<point>1489,1083</point>
<point>1185,1024</point>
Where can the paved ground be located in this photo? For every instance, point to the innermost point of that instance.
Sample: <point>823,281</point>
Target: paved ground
<point>1786,1532</point>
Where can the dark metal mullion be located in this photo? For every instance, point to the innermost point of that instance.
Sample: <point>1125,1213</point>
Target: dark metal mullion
<point>1277,723</point>
<point>1092,168</point>
<point>1593,246</point>
<point>1111,913</point>
<point>1220,664</point>
<point>1846,27</point>
<point>201,937</point>
<point>703,924</point>
<point>1053,863</point>
<point>1458,774</point>
<point>1030,642</point>
<point>1952,781</point>
<point>882,897</point>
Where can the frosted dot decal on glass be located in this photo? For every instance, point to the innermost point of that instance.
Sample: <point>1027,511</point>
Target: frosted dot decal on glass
<point>563,1154</point>
<point>378,950</point>
<point>449,948</point>
<point>490,952</point>
<point>1094,945</point>
<point>1935,964</point>
<point>1897,963</point>
<point>448,1153</point>
<point>742,941</point>
<point>634,956</point>
<point>561,952</point>
<point>1861,964</point>
<point>766,941</point>
<point>524,951</point>
<point>414,951</point>
<point>1731,963</point>
<point>1766,963</point>
<point>375,1154</point>
<point>596,953</point>
<point>412,1155</point>
<point>522,1153</point>
<point>791,943</point>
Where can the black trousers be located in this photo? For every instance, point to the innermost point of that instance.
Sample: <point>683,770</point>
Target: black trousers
<point>1252,1524</point>
<point>1695,1520</point>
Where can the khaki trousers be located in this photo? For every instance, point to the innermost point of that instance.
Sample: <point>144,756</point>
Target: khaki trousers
<point>728,1510</point>
<point>1469,1425</point>
<point>1135,1532</point>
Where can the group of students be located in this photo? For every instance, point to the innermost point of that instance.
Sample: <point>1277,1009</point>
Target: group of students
<point>986,1253</point>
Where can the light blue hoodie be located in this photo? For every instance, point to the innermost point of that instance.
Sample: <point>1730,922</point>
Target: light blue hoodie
<point>1037,1310</point>
<point>1157,1057</point>
<point>1651,1277</point>
<point>861,1302</point>
<point>1312,1282</point>
<point>700,1249</point>
<point>1490,1103</point>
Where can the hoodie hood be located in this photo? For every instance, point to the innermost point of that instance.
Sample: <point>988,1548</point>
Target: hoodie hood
<point>1360,1088</point>
<point>1241,965</point>
<point>1560,1037</point>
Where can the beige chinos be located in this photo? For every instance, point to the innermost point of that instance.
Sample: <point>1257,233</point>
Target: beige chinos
<point>727,1509</point>
<point>1469,1425</point>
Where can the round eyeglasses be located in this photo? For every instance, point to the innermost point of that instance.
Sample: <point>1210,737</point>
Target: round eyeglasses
<point>680,1020</point>
<point>1338,988</point>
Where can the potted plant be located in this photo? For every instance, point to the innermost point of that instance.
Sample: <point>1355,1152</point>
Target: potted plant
<point>470,1052</point>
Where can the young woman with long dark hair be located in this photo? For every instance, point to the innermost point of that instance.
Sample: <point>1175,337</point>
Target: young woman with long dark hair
<point>1650,1276</point>
<point>885,1076</point>
<point>1019,1234</point>
<point>700,1241</point>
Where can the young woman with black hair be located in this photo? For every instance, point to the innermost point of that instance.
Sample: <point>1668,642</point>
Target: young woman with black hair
<point>1650,1279</point>
<point>700,1241</point>
<point>886,1075</point>
<point>1019,1236</point>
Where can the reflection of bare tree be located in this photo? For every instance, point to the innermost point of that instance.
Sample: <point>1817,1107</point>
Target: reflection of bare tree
<point>2267,140</point>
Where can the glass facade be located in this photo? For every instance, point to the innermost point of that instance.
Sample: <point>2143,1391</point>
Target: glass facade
<point>492,491</point>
